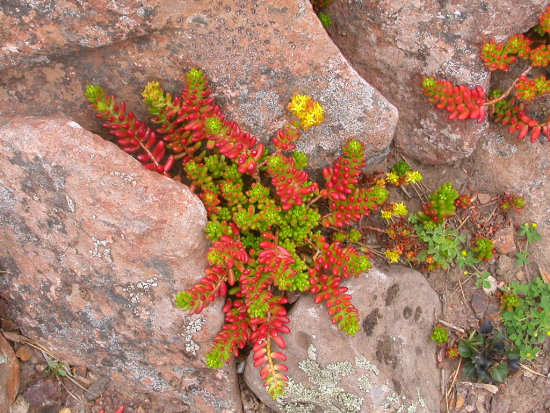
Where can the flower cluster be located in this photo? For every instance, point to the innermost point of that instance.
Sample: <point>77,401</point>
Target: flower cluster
<point>308,111</point>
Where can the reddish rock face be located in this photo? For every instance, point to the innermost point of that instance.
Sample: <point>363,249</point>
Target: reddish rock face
<point>393,44</point>
<point>9,376</point>
<point>95,247</point>
<point>503,163</point>
<point>257,55</point>
<point>387,365</point>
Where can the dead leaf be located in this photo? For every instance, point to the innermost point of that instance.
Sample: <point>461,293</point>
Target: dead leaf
<point>544,274</point>
<point>65,410</point>
<point>24,353</point>
<point>460,401</point>
<point>484,198</point>
<point>18,338</point>
<point>489,387</point>
<point>8,325</point>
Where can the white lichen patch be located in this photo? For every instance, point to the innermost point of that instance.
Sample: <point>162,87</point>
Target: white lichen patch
<point>193,325</point>
<point>364,382</point>
<point>400,404</point>
<point>70,204</point>
<point>101,250</point>
<point>365,364</point>
<point>326,392</point>
<point>137,291</point>
<point>125,177</point>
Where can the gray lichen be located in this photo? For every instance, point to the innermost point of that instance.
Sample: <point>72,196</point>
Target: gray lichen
<point>326,394</point>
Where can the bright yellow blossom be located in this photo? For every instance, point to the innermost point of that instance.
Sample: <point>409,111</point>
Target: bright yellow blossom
<point>412,177</point>
<point>386,214</point>
<point>392,256</point>
<point>399,209</point>
<point>298,104</point>
<point>309,112</point>
<point>392,177</point>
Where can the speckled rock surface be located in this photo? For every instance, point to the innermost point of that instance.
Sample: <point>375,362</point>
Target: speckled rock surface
<point>95,247</point>
<point>9,376</point>
<point>256,54</point>
<point>388,365</point>
<point>393,44</point>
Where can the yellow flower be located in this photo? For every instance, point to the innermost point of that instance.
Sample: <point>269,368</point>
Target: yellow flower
<point>392,256</point>
<point>309,112</point>
<point>400,209</point>
<point>412,177</point>
<point>392,177</point>
<point>298,104</point>
<point>464,252</point>
<point>548,333</point>
<point>386,214</point>
<point>534,224</point>
<point>317,111</point>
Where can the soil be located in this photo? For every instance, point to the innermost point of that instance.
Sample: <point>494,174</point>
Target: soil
<point>464,305</point>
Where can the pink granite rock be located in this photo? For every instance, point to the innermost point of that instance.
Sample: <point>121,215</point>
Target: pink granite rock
<point>388,366</point>
<point>9,376</point>
<point>393,44</point>
<point>95,248</point>
<point>503,163</point>
<point>256,54</point>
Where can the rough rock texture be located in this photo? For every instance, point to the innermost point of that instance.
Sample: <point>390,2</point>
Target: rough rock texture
<point>505,164</point>
<point>389,364</point>
<point>393,44</point>
<point>95,247</point>
<point>9,376</point>
<point>256,54</point>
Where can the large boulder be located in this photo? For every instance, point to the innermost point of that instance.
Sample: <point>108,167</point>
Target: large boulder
<point>503,163</point>
<point>389,365</point>
<point>394,44</point>
<point>256,54</point>
<point>93,250</point>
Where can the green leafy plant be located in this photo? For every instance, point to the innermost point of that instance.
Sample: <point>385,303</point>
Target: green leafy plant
<point>443,243</point>
<point>483,279</point>
<point>318,7</point>
<point>527,320</point>
<point>530,234</point>
<point>508,107</point>
<point>269,234</point>
<point>440,335</point>
<point>56,369</point>
<point>486,357</point>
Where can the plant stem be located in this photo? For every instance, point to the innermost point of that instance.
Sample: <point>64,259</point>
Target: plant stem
<point>509,90</point>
